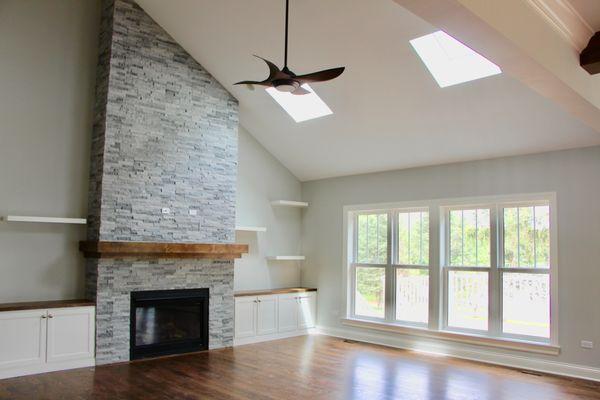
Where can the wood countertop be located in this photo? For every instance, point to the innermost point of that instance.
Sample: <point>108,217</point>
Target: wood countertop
<point>265,292</point>
<point>38,305</point>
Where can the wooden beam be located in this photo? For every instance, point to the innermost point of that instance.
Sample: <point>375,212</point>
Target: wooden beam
<point>102,249</point>
<point>590,56</point>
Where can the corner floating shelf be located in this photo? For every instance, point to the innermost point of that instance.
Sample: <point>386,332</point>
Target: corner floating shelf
<point>251,228</point>
<point>289,203</point>
<point>45,220</point>
<point>286,258</point>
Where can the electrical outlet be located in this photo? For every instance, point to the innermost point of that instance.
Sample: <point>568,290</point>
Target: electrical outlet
<point>587,344</point>
<point>166,210</point>
<point>194,212</point>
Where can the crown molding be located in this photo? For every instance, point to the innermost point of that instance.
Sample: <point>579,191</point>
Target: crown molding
<point>563,17</point>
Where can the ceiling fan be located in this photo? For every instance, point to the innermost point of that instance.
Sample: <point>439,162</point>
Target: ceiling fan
<point>285,80</point>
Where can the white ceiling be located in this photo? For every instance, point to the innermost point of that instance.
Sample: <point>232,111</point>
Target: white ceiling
<point>388,111</point>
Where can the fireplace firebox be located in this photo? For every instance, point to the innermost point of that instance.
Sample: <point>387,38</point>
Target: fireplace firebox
<point>168,322</point>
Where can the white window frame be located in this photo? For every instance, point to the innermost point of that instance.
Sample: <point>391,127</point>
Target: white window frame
<point>437,325</point>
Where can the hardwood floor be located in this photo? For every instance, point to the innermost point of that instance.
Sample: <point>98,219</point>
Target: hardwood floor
<point>309,367</point>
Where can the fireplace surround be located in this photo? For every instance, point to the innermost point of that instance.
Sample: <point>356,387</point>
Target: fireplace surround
<point>164,322</point>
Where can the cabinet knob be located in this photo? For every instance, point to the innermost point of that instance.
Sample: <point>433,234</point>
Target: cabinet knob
<point>43,317</point>
<point>50,316</point>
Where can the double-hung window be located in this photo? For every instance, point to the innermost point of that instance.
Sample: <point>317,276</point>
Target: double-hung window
<point>478,267</point>
<point>390,267</point>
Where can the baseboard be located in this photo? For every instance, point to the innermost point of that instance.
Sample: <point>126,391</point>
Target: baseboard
<point>275,336</point>
<point>458,351</point>
<point>50,367</point>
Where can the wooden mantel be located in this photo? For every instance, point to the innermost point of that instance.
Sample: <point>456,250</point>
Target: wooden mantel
<point>101,249</point>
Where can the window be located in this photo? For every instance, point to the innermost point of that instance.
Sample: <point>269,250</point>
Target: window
<point>450,61</point>
<point>489,274</point>
<point>371,260</point>
<point>525,272</point>
<point>391,265</point>
<point>412,269</point>
<point>467,270</point>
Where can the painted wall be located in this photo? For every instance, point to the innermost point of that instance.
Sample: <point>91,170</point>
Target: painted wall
<point>574,175</point>
<point>261,178</point>
<point>48,54</point>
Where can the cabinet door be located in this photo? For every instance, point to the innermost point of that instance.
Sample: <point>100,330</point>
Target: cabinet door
<point>266,315</point>
<point>71,334</point>
<point>307,311</point>
<point>22,338</point>
<point>245,317</point>
<point>287,312</point>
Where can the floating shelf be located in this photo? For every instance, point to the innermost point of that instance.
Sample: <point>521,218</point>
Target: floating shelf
<point>251,228</point>
<point>286,258</point>
<point>289,203</point>
<point>45,220</point>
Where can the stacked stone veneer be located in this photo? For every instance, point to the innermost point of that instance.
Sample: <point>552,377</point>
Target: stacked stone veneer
<point>165,135</point>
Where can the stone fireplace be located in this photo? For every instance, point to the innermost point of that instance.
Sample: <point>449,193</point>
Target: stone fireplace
<point>163,169</point>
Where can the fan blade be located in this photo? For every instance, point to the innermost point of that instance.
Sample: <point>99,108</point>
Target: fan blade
<point>252,83</point>
<point>273,69</point>
<point>300,91</point>
<point>320,76</point>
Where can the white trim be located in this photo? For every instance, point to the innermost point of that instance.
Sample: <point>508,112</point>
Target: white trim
<point>275,336</point>
<point>50,367</point>
<point>457,336</point>
<point>47,220</point>
<point>465,352</point>
<point>563,17</point>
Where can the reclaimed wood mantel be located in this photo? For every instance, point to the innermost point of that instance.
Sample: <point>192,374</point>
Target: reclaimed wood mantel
<point>101,249</point>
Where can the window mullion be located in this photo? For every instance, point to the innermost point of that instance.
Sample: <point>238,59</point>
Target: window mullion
<point>390,278</point>
<point>495,278</point>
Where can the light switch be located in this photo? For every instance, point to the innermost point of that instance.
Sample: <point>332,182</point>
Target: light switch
<point>166,210</point>
<point>194,212</point>
<point>587,344</point>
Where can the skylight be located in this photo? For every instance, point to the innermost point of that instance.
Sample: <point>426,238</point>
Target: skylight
<point>302,107</point>
<point>450,61</point>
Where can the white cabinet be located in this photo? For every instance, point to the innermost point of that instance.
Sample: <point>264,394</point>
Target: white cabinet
<point>70,334</point>
<point>288,312</point>
<point>276,316</point>
<point>43,340</point>
<point>245,317</point>
<point>22,339</point>
<point>307,311</point>
<point>266,315</point>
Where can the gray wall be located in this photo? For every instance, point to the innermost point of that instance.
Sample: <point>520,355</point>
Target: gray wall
<point>261,178</point>
<point>48,52</point>
<point>574,175</point>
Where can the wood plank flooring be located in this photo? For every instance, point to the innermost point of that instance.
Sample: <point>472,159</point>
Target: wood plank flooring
<point>309,367</point>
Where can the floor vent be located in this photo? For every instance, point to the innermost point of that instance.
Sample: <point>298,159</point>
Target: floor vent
<point>530,372</point>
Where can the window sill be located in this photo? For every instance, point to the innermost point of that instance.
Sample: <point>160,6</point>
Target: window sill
<point>531,347</point>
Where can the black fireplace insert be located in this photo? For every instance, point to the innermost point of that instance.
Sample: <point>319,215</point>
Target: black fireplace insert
<point>168,322</point>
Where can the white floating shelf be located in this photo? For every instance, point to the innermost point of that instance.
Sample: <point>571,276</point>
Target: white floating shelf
<point>251,228</point>
<point>45,220</point>
<point>286,258</point>
<point>289,203</point>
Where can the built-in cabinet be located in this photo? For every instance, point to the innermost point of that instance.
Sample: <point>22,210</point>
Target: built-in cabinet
<point>274,316</point>
<point>43,340</point>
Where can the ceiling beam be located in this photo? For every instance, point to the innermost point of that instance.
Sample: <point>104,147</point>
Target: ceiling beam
<point>590,56</point>
<point>512,34</point>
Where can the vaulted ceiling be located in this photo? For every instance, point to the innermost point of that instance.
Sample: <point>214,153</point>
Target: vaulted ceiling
<point>388,112</point>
